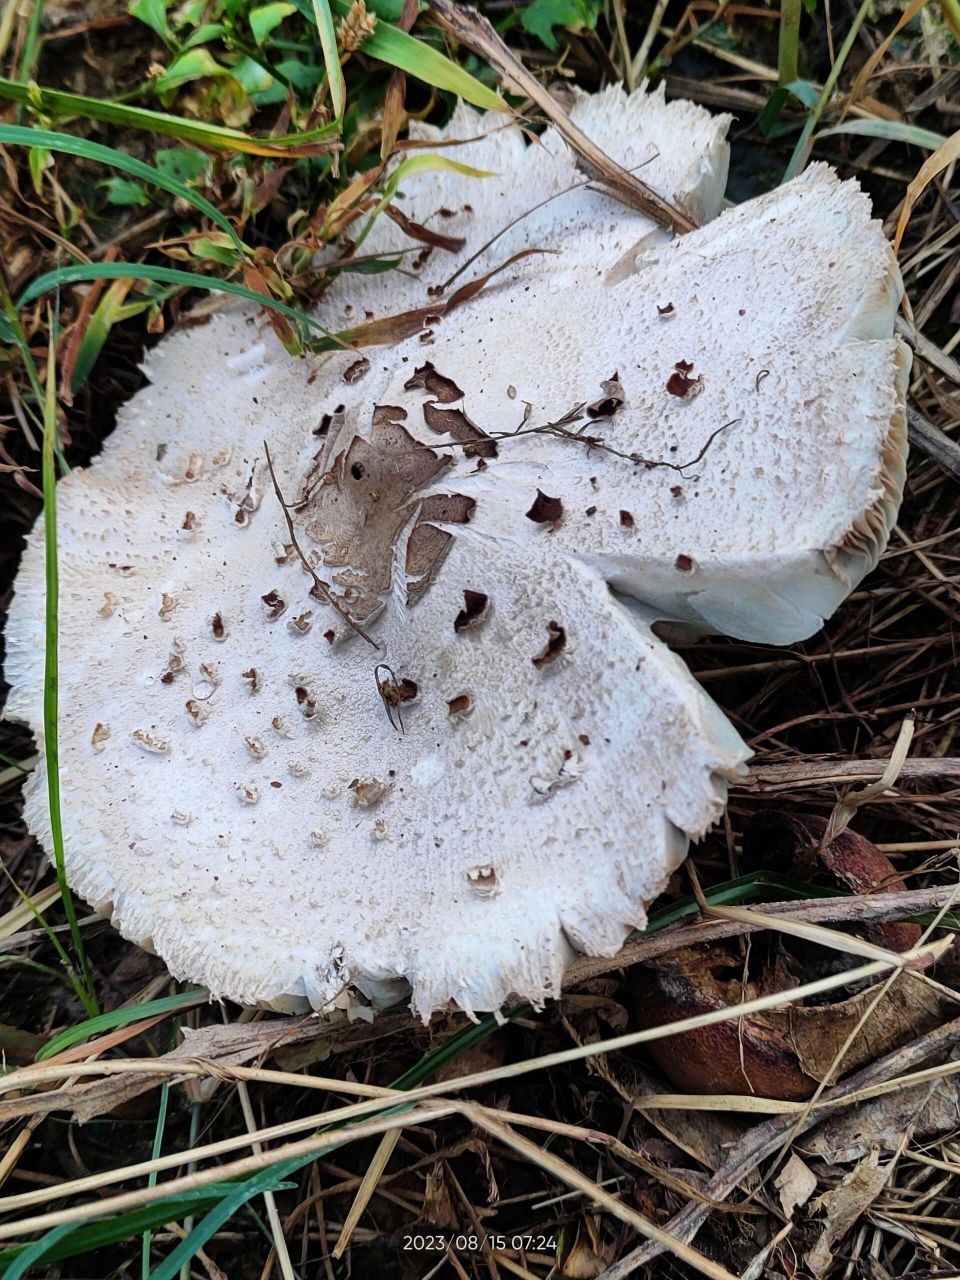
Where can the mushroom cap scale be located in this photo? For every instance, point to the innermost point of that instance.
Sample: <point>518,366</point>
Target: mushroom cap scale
<point>515,770</point>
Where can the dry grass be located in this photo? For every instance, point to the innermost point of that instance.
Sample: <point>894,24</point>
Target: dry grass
<point>555,1145</point>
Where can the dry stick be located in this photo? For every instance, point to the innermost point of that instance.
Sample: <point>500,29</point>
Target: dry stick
<point>764,1139</point>
<point>320,586</point>
<point>366,1189</point>
<point>269,1200</point>
<point>473,30</point>
<point>788,777</point>
<point>846,807</point>
<point>935,443</point>
<point>580,1182</point>
<point>147,1075</point>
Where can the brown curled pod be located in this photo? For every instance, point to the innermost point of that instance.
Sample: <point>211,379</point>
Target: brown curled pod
<point>741,1056</point>
<point>793,844</point>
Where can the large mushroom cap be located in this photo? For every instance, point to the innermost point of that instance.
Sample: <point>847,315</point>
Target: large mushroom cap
<point>504,764</point>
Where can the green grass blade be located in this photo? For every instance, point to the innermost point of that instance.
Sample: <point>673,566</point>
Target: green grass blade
<point>83,271</point>
<point>97,1235</point>
<point>152,1179</point>
<point>802,150</point>
<point>54,102</point>
<point>271,1179</point>
<point>891,130</point>
<point>323,17</point>
<point>405,52</point>
<point>422,162</point>
<point>36,1252</point>
<point>20,135</point>
<point>789,41</point>
<point>121,1018</point>
<point>51,686</point>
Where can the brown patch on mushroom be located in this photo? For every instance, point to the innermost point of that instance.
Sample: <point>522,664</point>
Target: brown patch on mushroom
<point>109,606</point>
<point>684,563</point>
<point>475,611</point>
<point>354,372</point>
<point>681,383</point>
<point>444,390</point>
<point>368,792</point>
<point>545,510</point>
<point>611,401</point>
<point>151,742</point>
<point>461,705</point>
<point>194,467</point>
<point>306,702</point>
<point>482,879</point>
<point>626,520</point>
<point>455,422</point>
<point>395,692</point>
<point>555,645</point>
<point>274,604</point>
<point>196,712</point>
<point>190,523</point>
<point>217,627</point>
<point>665,311</point>
<point>302,623</point>
<point>101,732</point>
<point>361,504</point>
<point>389,415</point>
<point>256,748</point>
<point>330,635</point>
<point>252,677</point>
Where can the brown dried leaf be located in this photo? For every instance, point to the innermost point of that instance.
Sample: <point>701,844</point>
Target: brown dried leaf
<point>795,1184</point>
<point>843,1207</point>
<point>417,231</point>
<point>817,1034</point>
<point>360,505</point>
<point>882,1122</point>
<point>545,510</point>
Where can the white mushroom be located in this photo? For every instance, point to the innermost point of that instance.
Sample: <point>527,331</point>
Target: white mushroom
<point>487,760</point>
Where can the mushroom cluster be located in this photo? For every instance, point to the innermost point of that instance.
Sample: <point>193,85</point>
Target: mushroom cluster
<point>358,677</point>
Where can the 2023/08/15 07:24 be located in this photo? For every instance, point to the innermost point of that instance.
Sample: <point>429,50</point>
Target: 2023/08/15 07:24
<point>469,1243</point>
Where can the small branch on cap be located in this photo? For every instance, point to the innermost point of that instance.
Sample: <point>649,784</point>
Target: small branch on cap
<point>475,31</point>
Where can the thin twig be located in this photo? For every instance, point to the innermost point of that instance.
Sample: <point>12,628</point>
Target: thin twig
<point>320,586</point>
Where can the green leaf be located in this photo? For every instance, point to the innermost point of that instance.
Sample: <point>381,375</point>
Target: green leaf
<point>38,160</point>
<point>192,64</point>
<point>37,1251</point>
<point>405,52</point>
<point>53,102</point>
<point>20,135</point>
<point>323,17</point>
<point>182,164</point>
<point>802,90</point>
<point>270,1179</point>
<point>154,14</point>
<point>254,77</point>
<point>891,130</point>
<point>214,249</point>
<point>541,17</point>
<point>83,271</point>
<point>120,1018</point>
<point>123,191</point>
<point>205,34</point>
<point>96,1235</point>
<point>266,17</point>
